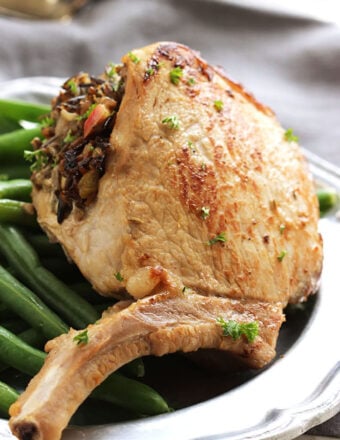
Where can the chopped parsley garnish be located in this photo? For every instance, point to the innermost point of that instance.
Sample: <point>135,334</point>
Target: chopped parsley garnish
<point>47,122</point>
<point>133,58</point>
<point>71,84</point>
<point>218,238</point>
<point>119,277</point>
<point>150,71</point>
<point>327,198</point>
<point>38,158</point>
<point>218,105</point>
<point>191,146</point>
<point>191,81</point>
<point>290,136</point>
<point>236,329</point>
<point>176,74</point>
<point>82,338</point>
<point>171,122</point>
<point>113,75</point>
<point>283,253</point>
<point>110,70</point>
<point>282,228</point>
<point>205,212</point>
<point>69,137</point>
<point>86,114</point>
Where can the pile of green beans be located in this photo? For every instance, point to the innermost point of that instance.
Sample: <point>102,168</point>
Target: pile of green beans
<point>36,305</point>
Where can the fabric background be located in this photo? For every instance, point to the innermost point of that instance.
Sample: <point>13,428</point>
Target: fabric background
<point>290,63</point>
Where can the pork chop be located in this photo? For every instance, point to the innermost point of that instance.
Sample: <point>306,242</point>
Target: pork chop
<point>168,184</point>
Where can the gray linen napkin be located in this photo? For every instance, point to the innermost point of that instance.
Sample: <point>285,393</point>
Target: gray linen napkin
<point>291,64</point>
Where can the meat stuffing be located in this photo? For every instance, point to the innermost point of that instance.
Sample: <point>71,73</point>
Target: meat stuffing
<point>177,192</point>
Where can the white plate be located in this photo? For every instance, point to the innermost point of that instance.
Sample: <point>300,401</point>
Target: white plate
<point>298,391</point>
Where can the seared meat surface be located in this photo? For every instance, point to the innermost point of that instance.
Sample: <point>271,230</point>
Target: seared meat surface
<point>160,324</point>
<point>200,209</point>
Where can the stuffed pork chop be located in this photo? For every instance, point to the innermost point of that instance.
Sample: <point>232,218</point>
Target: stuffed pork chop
<point>175,190</point>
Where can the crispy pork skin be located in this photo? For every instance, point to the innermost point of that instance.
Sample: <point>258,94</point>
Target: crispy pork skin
<point>201,207</point>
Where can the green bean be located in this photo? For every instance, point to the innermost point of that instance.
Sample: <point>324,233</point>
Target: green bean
<point>7,125</point>
<point>61,268</point>
<point>14,171</point>
<point>29,307</point>
<point>130,394</point>
<point>43,246</point>
<point>5,313</point>
<point>19,189</point>
<point>13,144</point>
<point>18,354</point>
<point>17,212</point>
<point>14,325</point>
<point>32,337</point>
<point>90,413</point>
<point>117,389</point>
<point>3,366</point>
<point>8,395</point>
<point>21,110</point>
<point>25,261</point>
<point>86,291</point>
<point>328,198</point>
<point>134,368</point>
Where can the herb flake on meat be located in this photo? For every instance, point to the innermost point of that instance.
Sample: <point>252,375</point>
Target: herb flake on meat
<point>236,329</point>
<point>283,253</point>
<point>171,122</point>
<point>82,338</point>
<point>175,75</point>
<point>290,136</point>
<point>218,238</point>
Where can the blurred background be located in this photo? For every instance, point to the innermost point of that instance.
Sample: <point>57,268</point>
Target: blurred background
<point>285,52</point>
